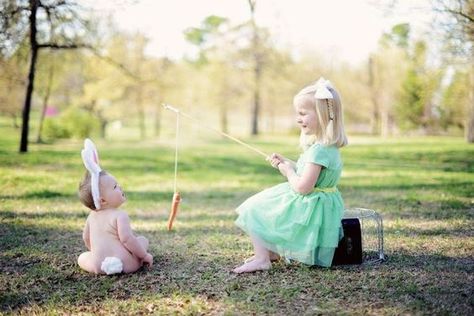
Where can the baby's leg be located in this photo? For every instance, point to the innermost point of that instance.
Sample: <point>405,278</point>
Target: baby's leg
<point>131,264</point>
<point>86,261</point>
<point>143,241</point>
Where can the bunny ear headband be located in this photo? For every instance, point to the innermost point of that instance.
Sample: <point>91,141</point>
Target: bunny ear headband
<point>90,157</point>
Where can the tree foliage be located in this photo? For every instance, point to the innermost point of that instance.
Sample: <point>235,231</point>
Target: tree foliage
<point>235,67</point>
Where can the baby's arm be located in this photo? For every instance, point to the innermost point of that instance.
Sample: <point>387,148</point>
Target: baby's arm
<point>303,184</point>
<point>86,235</point>
<point>128,239</point>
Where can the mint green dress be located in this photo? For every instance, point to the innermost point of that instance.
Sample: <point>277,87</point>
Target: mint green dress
<point>306,228</point>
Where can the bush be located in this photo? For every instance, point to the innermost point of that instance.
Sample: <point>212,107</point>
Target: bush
<point>53,129</point>
<point>73,122</point>
<point>80,123</point>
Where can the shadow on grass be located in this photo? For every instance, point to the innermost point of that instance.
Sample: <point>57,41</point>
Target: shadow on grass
<point>409,202</point>
<point>459,187</point>
<point>194,198</point>
<point>80,214</point>
<point>39,268</point>
<point>43,194</point>
<point>414,156</point>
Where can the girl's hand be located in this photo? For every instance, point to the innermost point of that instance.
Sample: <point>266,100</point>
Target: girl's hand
<point>284,168</point>
<point>276,159</point>
<point>148,260</point>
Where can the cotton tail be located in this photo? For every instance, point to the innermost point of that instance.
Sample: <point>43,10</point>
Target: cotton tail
<point>174,209</point>
<point>111,265</point>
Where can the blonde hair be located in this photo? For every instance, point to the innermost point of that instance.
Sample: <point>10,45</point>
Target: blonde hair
<point>85,190</point>
<point>330,125</point>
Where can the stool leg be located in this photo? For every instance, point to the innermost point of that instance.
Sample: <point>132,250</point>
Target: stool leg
<point>380,236</point>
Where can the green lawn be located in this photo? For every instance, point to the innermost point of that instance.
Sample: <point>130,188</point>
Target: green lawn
<point>423,187</point>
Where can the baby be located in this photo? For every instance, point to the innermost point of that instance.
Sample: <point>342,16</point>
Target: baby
<point>113,248</point>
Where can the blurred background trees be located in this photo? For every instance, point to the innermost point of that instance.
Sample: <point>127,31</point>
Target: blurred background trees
<point>237,80</point>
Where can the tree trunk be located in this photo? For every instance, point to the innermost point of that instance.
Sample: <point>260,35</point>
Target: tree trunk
<point>375,117</point>
<point>256,104</point>
<point>470,126</point>
<point>470,123</point>
<point>103,125</point>
<point>14,121</point>
<point>384,117</point>
<point>223,118</point>
<point>257,70</point>
<point>31,78</point>
<point>157,129</point>
<point>141,112</point>
<point>45,104</point>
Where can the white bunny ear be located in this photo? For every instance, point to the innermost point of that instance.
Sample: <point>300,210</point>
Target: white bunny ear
<point>90,159</point>
<point>89,144</point>
<point>89,162</point>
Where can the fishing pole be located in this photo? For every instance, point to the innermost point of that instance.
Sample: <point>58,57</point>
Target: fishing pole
<point>176,196</point>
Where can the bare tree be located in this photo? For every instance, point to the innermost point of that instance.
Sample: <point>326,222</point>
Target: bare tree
<point>257,69</point>
<point>19,18</point>
<point>375,113</point>
<point>456,20</point>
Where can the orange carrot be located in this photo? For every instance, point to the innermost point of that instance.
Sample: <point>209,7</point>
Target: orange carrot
<point>174,209</point>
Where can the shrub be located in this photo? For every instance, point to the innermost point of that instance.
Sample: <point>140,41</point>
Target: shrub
<point>73,122</point>
<point>53,129</point>
<point>80,123</point>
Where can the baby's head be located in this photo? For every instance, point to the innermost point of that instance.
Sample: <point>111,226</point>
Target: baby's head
<point>111,194</point>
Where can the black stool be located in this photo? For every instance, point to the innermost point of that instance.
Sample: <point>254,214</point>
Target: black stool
<point>349,250</point>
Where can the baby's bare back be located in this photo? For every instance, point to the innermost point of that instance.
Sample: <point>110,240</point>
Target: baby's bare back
<point>105,240</point>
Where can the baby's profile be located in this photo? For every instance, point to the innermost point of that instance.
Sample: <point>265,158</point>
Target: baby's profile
<point>113,247</point>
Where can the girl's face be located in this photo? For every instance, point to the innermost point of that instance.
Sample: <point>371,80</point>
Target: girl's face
<point>306,116</point>
<point>111,194</point>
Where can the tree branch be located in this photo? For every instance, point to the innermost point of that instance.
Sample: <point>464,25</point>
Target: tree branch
<point>462,14</point>
<point>120,66</point>
<point>115,63</point>
<point>55,5</point>
<point>59,46</point>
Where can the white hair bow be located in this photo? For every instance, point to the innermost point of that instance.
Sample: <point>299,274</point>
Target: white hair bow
<point>90,157</point>
<point>322,91</point>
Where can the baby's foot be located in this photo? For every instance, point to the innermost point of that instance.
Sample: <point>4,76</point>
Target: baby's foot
<point>254,265</point>
<point>273,257</point>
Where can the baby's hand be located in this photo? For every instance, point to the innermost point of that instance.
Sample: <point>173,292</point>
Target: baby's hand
<point>148,260</point>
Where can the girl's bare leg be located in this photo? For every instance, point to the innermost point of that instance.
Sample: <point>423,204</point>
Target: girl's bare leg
<point>273,257</point>
<point>261,261</point>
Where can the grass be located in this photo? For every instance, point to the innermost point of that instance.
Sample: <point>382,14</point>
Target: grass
<point>423,187</point>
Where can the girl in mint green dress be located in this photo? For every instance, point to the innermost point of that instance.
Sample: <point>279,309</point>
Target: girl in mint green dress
<point>301,219</point>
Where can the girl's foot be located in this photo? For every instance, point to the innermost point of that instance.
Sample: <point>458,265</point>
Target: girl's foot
<point>273,257</point>
<point>254,265</point>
